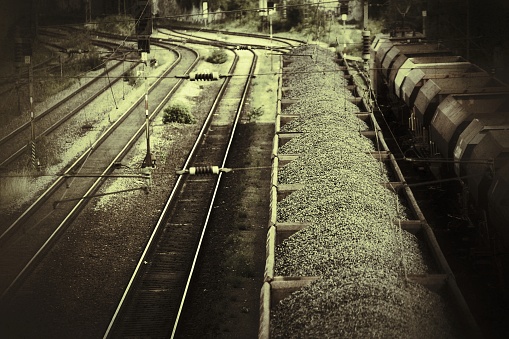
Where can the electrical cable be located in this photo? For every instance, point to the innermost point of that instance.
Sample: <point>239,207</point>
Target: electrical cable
<point>83,75</point>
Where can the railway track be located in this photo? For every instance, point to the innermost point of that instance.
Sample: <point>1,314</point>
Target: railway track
<point>19,293</point>
<point>153,300</point>
<point>15,144</point>
<point>47,65</point>
<point>56,208</point>
<point>150,265</point>
<point>7,86</point>
<point>204,36</point>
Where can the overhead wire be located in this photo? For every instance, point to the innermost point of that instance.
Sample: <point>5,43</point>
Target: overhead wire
<point>137,20</point>
<point>84,75</point>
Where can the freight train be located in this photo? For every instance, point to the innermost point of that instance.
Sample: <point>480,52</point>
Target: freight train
<point>458,116</point>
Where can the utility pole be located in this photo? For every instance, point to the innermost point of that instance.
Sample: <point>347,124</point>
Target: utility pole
<point>143,17</point>
<point>88,11</point>
<point>270,32</point>
<point>343,11</point>
<point>263,12</point>
<point>468,29</point>
<point>205,12</point>
<point>424,22</point>
<point>365,14</point>
<point>147,162</point>
<point>23,54</point>
<point>35,162</point>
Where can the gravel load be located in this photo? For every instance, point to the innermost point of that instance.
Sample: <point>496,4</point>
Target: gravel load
<point>319,165</point>
<point>326,102</point>
<point>335,136</point>
<point>322,75</point>
<point>350,242</point>
<point>325,199</point>
<point>353,243</point>
<point>315,119</point>
<point>296,90</point>
<point>362,303</point>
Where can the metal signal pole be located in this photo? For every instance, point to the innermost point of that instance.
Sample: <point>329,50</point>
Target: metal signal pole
<point>148,161</point>
<point>270,31</point>
<point>35,162</point>
<point>88,11</point>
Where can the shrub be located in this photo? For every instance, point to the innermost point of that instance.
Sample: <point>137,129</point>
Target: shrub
<point>219,56</point>
<point>178,112</point>
<point>295,17</point>
<point>93,61</point>
<point>116,24</point>
<point>255,113</point>
<point>130,77</point>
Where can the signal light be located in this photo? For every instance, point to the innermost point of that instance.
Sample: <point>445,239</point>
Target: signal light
<point>22,48</point>
<point>143,18</point>
<point>210,76</point>
<point>343,8</point>
<point>144,45</point>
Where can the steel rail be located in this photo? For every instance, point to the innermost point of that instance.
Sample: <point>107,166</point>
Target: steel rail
<point>162,217</point>
<point>93,188</point>
<point>60,122</point>
<point>252,35</point>
<point>23,127</point>
<point>61,179</point>
<point>211,205</point>
<point>225,43</point>
<point>170,203</point>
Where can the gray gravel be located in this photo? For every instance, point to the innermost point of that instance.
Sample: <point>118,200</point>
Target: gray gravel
<point>362,303</point>
<point>353,243</point>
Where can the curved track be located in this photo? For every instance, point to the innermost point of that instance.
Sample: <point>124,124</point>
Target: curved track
<point>153,301</point>
<point>15,144</point>
<point>56,208</point>
<point>97,163</point>
<point>204,36</point>
<point>285,41</point>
